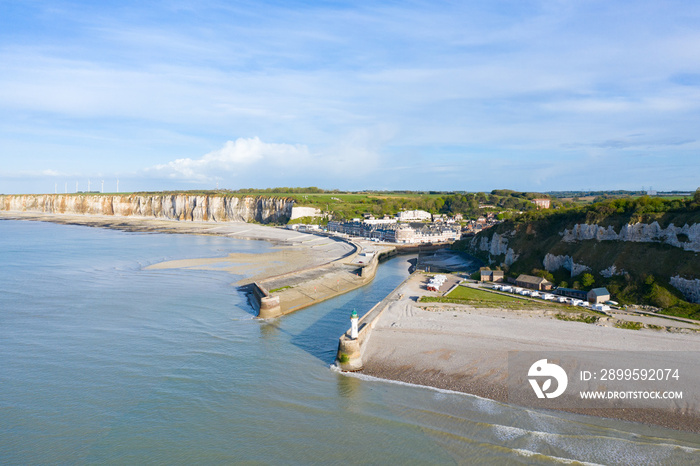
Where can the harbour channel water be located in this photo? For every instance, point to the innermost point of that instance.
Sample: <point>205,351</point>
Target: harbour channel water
<point>103,361</point>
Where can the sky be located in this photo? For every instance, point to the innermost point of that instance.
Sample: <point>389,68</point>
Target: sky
<point>382,95</point>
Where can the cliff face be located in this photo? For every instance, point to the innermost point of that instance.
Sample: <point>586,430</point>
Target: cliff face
<point>497,245</point>
<point>183,207</point>
<point>633,249</point>
<point>639,233</point>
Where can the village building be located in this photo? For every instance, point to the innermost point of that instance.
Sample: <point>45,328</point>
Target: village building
<point>388,230</point>
<point>572,293</point>
<point>413,215</point>
<point>598,295</point>
<point>542,203</point>
<point>488,275</point>
<point>534,283</point>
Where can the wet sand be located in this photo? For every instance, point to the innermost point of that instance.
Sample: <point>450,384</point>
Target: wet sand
<point>465,349</point>
<point>302,269</point>
<point>292,250</point>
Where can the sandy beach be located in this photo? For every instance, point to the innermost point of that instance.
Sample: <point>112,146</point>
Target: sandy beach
<point>301,269</point>
<point>464,348</point>
<point>291,250</point>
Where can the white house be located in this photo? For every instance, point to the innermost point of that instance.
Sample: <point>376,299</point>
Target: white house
<point>413,216</point>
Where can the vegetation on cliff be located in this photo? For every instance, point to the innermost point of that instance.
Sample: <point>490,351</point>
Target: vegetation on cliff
<point>347,205</point>
<point>642,270</point>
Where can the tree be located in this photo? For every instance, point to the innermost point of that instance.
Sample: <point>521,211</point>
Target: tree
<point>587,280</point>
<point>543,273</point>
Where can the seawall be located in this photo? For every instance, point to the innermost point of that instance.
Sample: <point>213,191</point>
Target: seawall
<point>283,294</point>
<point>349,356</point>
<point>182,207</point>
<point>268,306</point>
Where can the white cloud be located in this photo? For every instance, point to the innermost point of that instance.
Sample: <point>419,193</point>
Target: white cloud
<point>250,161</point>
<point>50,172</point>
<point>235,156</point>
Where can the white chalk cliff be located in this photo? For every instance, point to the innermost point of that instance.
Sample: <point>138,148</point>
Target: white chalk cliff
<point>689,288</point>
<point>183,207</point>
<point>638,233</point>
<point>552,263</point>
<point>497,245</point>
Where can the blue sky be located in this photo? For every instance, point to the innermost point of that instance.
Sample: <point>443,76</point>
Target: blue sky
<point>458,95</point>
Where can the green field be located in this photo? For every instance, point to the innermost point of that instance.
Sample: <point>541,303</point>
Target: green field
<point>481,298</point>
<point>351,205</point>
<point>476,295</point>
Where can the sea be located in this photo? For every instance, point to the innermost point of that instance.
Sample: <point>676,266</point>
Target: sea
<point>105,361</point>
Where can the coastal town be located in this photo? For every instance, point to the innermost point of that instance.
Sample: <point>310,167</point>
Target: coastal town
<point>407,227</point>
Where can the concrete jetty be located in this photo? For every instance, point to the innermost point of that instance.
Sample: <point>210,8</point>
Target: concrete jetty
<point>286,293</point>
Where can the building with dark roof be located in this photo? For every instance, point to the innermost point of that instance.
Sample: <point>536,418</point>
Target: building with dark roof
<point>598,295</point>
<point>488,275</point>
<point>534,283</point>
<point>572,293</point>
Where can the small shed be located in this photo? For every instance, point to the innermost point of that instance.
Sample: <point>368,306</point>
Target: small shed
<point>488,275</point>
<point>598,295</point>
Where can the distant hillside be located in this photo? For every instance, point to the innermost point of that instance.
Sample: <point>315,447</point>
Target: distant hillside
<point>644,250</point>
<point>346,205</point>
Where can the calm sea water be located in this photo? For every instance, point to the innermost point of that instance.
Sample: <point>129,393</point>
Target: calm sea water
<point>102,361</point>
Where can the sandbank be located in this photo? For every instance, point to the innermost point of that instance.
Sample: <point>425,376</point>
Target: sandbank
<point>301,269</point>
<point>292,250</point>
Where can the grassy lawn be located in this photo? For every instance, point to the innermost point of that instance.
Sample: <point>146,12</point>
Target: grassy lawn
<point>486,299</point>
<point>466,293</point>
<point>481,298</point>
<point>351,205</point>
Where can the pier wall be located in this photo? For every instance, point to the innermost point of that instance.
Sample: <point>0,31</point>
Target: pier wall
<point>268,306</point>
<point>349,356</point>
<point>290,300</point>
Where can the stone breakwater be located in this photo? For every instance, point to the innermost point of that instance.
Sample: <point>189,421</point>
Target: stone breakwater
<point>184,207</point>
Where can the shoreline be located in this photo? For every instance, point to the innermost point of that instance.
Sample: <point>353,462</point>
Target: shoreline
<point>391,346</point>
<point>465,349</point>
<point>301,270</point>
<point>135,224</point>
<point>436,380</point>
